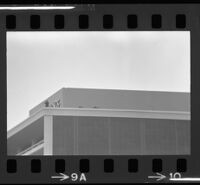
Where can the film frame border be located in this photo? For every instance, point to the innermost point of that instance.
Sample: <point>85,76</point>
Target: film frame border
<point>63,2</point>
<point>91,19</point>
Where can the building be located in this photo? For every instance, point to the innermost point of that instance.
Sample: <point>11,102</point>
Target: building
<point>76,121</point>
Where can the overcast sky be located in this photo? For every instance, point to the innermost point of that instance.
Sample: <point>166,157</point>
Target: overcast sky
<point>40,63</point>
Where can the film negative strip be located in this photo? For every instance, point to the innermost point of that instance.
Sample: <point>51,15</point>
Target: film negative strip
<point>111,93</point>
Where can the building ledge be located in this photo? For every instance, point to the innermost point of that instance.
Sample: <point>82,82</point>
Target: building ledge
<point>96,112</point>
<point>32,149</point>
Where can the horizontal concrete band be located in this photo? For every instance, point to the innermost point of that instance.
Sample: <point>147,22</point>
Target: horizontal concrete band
<point>117,113</point>
<point>125,113</point>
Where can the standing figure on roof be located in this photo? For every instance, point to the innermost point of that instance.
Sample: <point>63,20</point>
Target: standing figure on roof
<point>46,103</point>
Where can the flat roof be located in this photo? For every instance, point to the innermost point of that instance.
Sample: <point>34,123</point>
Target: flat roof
<point>118,99</point>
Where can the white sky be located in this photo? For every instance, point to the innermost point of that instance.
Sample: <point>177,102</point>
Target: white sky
<point>40,63</point>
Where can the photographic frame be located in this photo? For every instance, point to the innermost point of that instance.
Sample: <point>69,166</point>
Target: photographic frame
<point>44,166</point>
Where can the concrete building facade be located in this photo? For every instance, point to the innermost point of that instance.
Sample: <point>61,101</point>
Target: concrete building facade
<point>77,121</point>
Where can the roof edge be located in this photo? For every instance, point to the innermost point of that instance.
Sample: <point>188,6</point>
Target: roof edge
<point>122,113</point>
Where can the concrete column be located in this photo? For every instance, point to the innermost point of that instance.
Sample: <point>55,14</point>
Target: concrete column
<point>48,135</point>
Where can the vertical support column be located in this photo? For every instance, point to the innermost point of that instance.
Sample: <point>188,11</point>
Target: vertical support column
<point>176,137</point>
<point>48,135</point>
<point>142,137</point>
<point>75,125</point>
<point>109,136</point>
